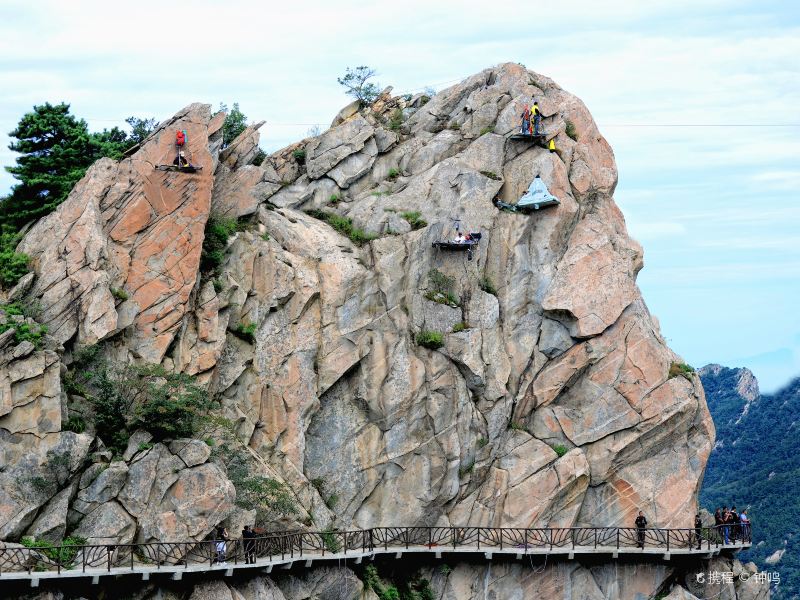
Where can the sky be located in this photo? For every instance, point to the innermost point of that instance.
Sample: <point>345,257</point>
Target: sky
<point>698,99</point>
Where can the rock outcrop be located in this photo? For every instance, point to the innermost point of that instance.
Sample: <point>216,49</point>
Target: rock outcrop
<point>548,403</point>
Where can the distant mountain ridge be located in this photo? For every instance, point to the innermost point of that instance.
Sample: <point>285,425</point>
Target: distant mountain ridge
<point>755,464</point>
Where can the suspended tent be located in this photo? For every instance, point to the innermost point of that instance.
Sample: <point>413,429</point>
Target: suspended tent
<point>459,243</point>
<point>181,163</point>
<point>535,198</point>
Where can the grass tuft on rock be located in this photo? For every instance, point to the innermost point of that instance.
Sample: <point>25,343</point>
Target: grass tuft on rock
<point>343,225</point>
<point>680,369</point>
<point>433,340</point>
<point>414,218</point>
<point>571,131</point>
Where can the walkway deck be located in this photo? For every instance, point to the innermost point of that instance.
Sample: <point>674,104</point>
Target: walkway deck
<point>174,559</point>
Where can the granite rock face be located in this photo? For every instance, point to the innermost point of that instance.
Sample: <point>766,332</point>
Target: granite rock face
<point>548,404</point>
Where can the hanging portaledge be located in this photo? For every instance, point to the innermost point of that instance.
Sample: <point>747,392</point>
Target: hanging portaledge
<point>180,163</point>
<point>459,242</point>
<point>535,198</point>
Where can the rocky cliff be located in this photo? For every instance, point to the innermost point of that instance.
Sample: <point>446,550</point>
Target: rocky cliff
<point>547,402</point>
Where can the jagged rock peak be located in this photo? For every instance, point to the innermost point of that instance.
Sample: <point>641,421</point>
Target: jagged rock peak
<point>385,381</point>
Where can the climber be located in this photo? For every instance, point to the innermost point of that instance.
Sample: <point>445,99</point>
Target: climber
<point>641,525</point>
<point>526,120</point>
<point>537,117</point>
<point>698,530</point>
<point>551,145</point>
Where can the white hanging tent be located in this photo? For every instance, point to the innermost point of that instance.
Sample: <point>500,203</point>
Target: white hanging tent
<point>535,198</point>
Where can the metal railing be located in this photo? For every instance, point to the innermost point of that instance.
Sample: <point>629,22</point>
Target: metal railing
<point>296,545</point>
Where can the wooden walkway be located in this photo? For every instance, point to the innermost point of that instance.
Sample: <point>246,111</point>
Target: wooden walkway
<point>263,554</point>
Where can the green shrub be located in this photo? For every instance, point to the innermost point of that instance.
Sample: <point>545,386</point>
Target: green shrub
<point>258,159</point>
<point>265,236</point>
<point>75,423</point>
<point>390,593</point>
<point>482,441</point>
<point>487,286</point>
<point>442,291</point>
<point>682,369</point>
<point>119,294</point>
<point>299,155</point>
<point>215,238</point>
<point>491,175</point>
<point>424,100</point>
<point>130,397</point>
<point>560,450</point>
<point>516,426</point>
<point>246,332</point>
<point>14,308</point>
<point>460,327</point>
<point>393,173</point>
<point>414,218</point>
<point>454,126</point>
<point>332,501</point>
<point>26,332</point>
<point>331,541</point>
<point>334,199</point>
<point>488,129</point>
<point>13,266</point>
<point>445,570</point>
<point>217,283</point>
<point>440,282</point>
<point>430,339</point>
<point>466,469</point>
<point>63,552</point>
<point>571,131</point>
<point>396,119</point>
<point>269,497</point>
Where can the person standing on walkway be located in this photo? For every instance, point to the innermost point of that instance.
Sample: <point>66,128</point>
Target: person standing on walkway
<point>526,120</point>
<point>222,545</point>
<point>698,530</point>
<point>726,525</point>
<point>745,525</point>
<point>641,525</point>
<point>735,528</point>
<point>249,543</point>
<point>536,117</point>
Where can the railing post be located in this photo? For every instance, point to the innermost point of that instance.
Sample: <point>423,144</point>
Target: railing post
<point>595,537</point>
<point>453,533</point>
<point>572,534</point>
<point>479,538</point>
<point>617,538</point>
<point>131,551</point>
<point>430,537</point>
<point>59,555</point>
<point>668,532</point>
<point>108,552</point>
<point>83,559</point>
<point>525,540</point>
